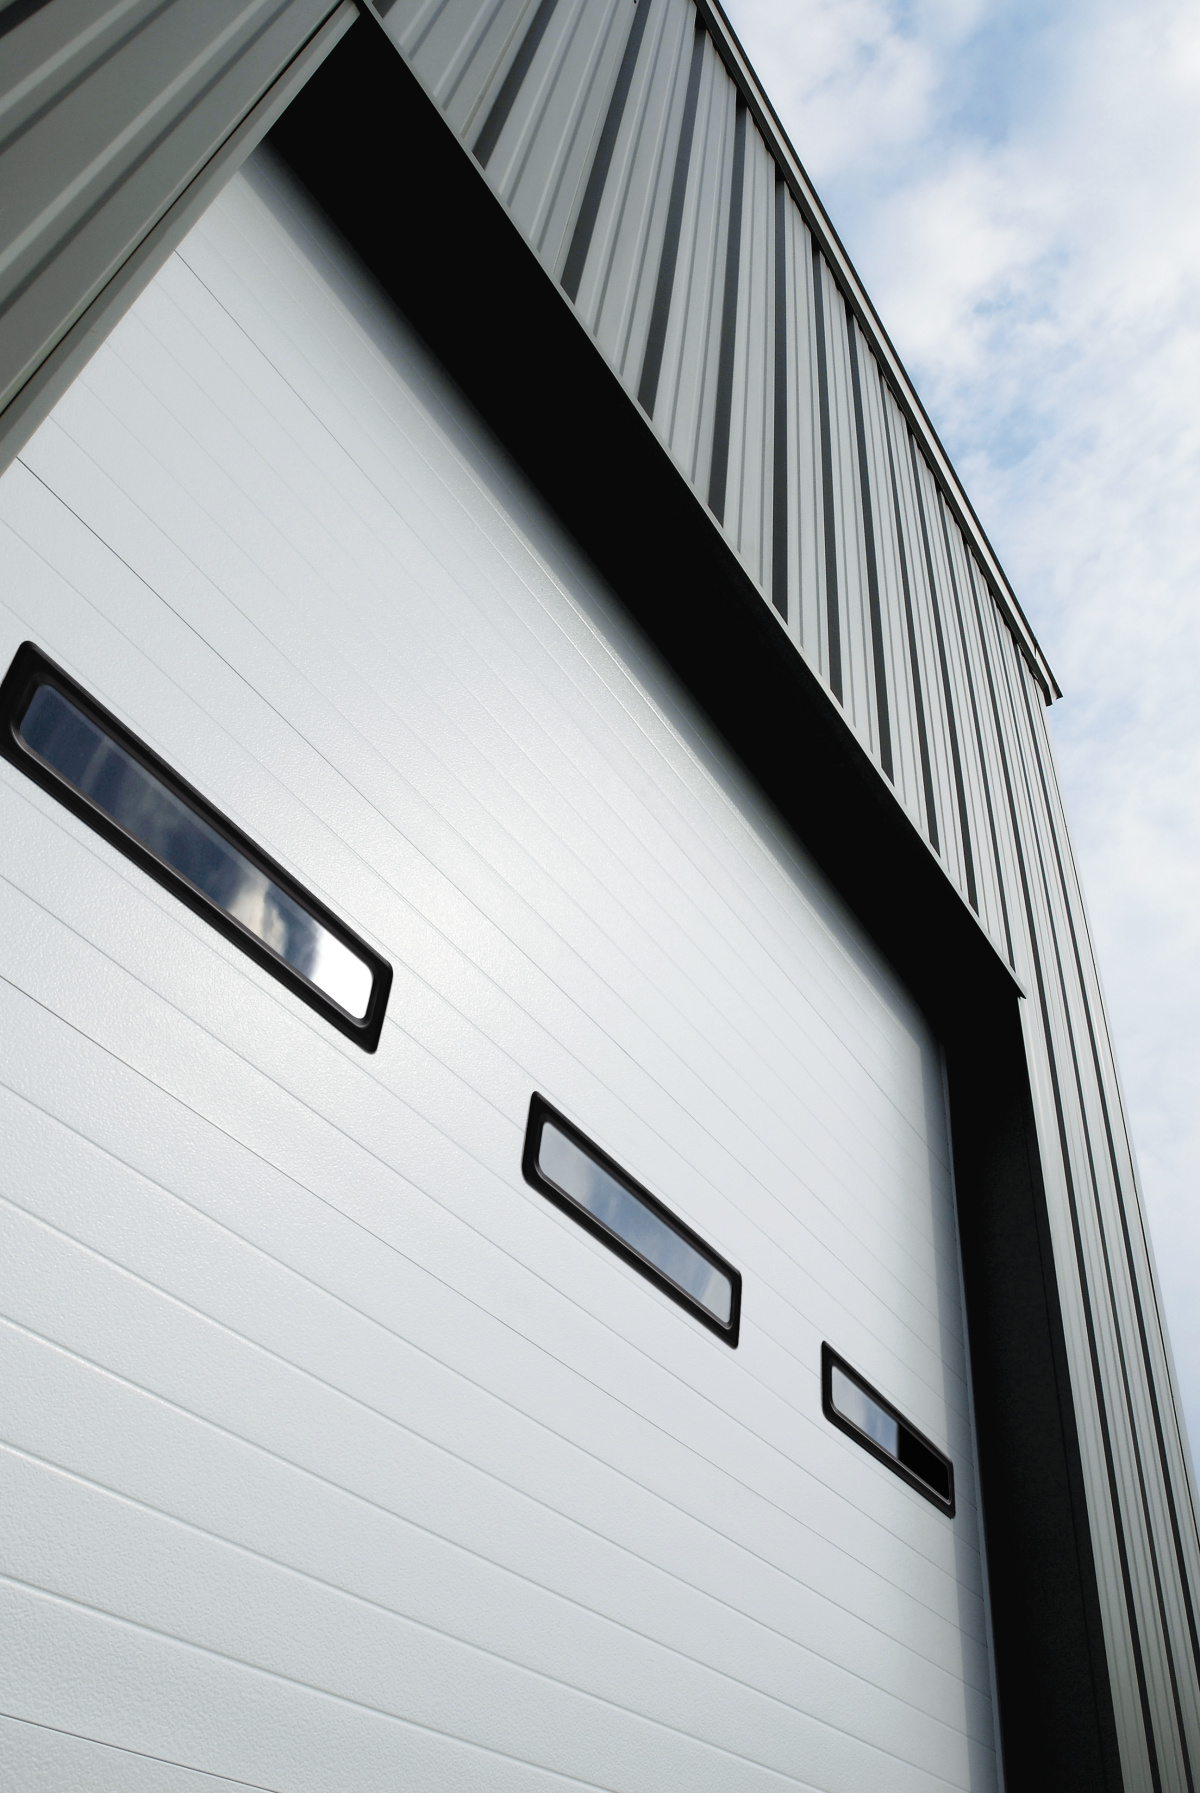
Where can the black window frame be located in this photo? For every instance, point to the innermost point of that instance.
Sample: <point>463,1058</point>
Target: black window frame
<point>541,1111</point>
<point>29,670</point>
<point>831,1360</point>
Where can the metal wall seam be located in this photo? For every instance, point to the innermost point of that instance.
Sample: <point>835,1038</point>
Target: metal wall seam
<point>617,288</point>
<point>779,401</point>
<point>995,904</point>
<point>687,393</point>
<point>925,492</point>
<point>107,121</point>
<point>460,51</point>
<point>1104,1521</point>
<point>979,673</point>
<point>987,645</point>
<point>1126,1472</point>
<point>1155,1350</point>
<point>818,221</point>
<point>823,455</point>
<point>924,613</point>
<point>805,620</point>
<point>525,48</point>
<point>730,284</point>
<point>543,155</point>
<point>1156,1497</point>
<point>634,167</point>
<point>747,501</point>
<point>852,582</point>
<point>900,592</point>
<point>1044,1024</point>
<point>906,758</point>
<point>870,554</point>
<point>668,256</point>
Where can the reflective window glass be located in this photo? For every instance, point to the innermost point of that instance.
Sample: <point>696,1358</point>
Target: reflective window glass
<point>61,738</point>
<point>561,1162</point>
<point>856,1408</point>
<point>122,789</point>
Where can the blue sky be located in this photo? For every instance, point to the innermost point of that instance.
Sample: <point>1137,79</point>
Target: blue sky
<point>1019,186</point>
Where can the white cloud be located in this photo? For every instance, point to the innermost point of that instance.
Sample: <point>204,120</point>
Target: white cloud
<point>1021,193</point>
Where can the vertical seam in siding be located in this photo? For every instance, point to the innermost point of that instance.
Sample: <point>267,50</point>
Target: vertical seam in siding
<point>1115,1330</point>
<point>864,485</point>
<point>911,631</point>
<point>1177,1539</point>
<point>987,794</point>
<point>502,105</point>
<point>585,223</point>
<point>139,162</point>
<point>657,335</point>
<point>718,477</point>
<point>12,16</point>
<point>779,489</point>
<point>1080,1260</point>
<point>833,617</point>
<point>947,692</point>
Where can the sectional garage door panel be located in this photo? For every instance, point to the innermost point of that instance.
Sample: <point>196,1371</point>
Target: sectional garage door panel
<point>321,1416</point>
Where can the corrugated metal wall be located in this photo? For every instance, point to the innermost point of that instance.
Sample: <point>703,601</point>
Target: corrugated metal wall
<point>650,184</point>
<point>108,110</point>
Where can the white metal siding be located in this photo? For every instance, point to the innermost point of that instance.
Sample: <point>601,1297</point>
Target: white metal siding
<point>333,1456</point>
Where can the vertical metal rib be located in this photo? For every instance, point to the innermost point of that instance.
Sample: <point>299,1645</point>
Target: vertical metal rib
<point>1177,1541</point>
<point>657,334</point>
<point>911,632</point>
<point>718,476</point>
<point>1077,1236</point>
<point>987,794</point>
<point>832,607</point>
<point>510,87</point>
<point>947,692</point>
<point>1139,1310</point>
<point>779,471</point>
<point>864,486</point>
<point>589,210</point>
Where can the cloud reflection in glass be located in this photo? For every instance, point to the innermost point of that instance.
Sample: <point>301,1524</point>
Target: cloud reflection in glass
<point>100,770</point>
<point>586,1183</point>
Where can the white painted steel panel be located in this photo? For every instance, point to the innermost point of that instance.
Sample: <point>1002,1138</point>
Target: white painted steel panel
<point>334,1456</point>
<point>917,663</point>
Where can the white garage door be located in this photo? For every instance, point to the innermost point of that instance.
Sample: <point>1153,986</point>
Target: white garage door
<point>336,1457</point>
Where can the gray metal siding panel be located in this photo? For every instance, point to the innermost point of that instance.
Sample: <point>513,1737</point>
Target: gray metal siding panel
<point>906,756</point>
<point>617,291</point>
<point>945,803</point>
<point>748,493</point>
<point>850,547</point>
<point>804,583</point>
<point>543,155</point>
<point>107,113</point>
<point>686,408</point>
